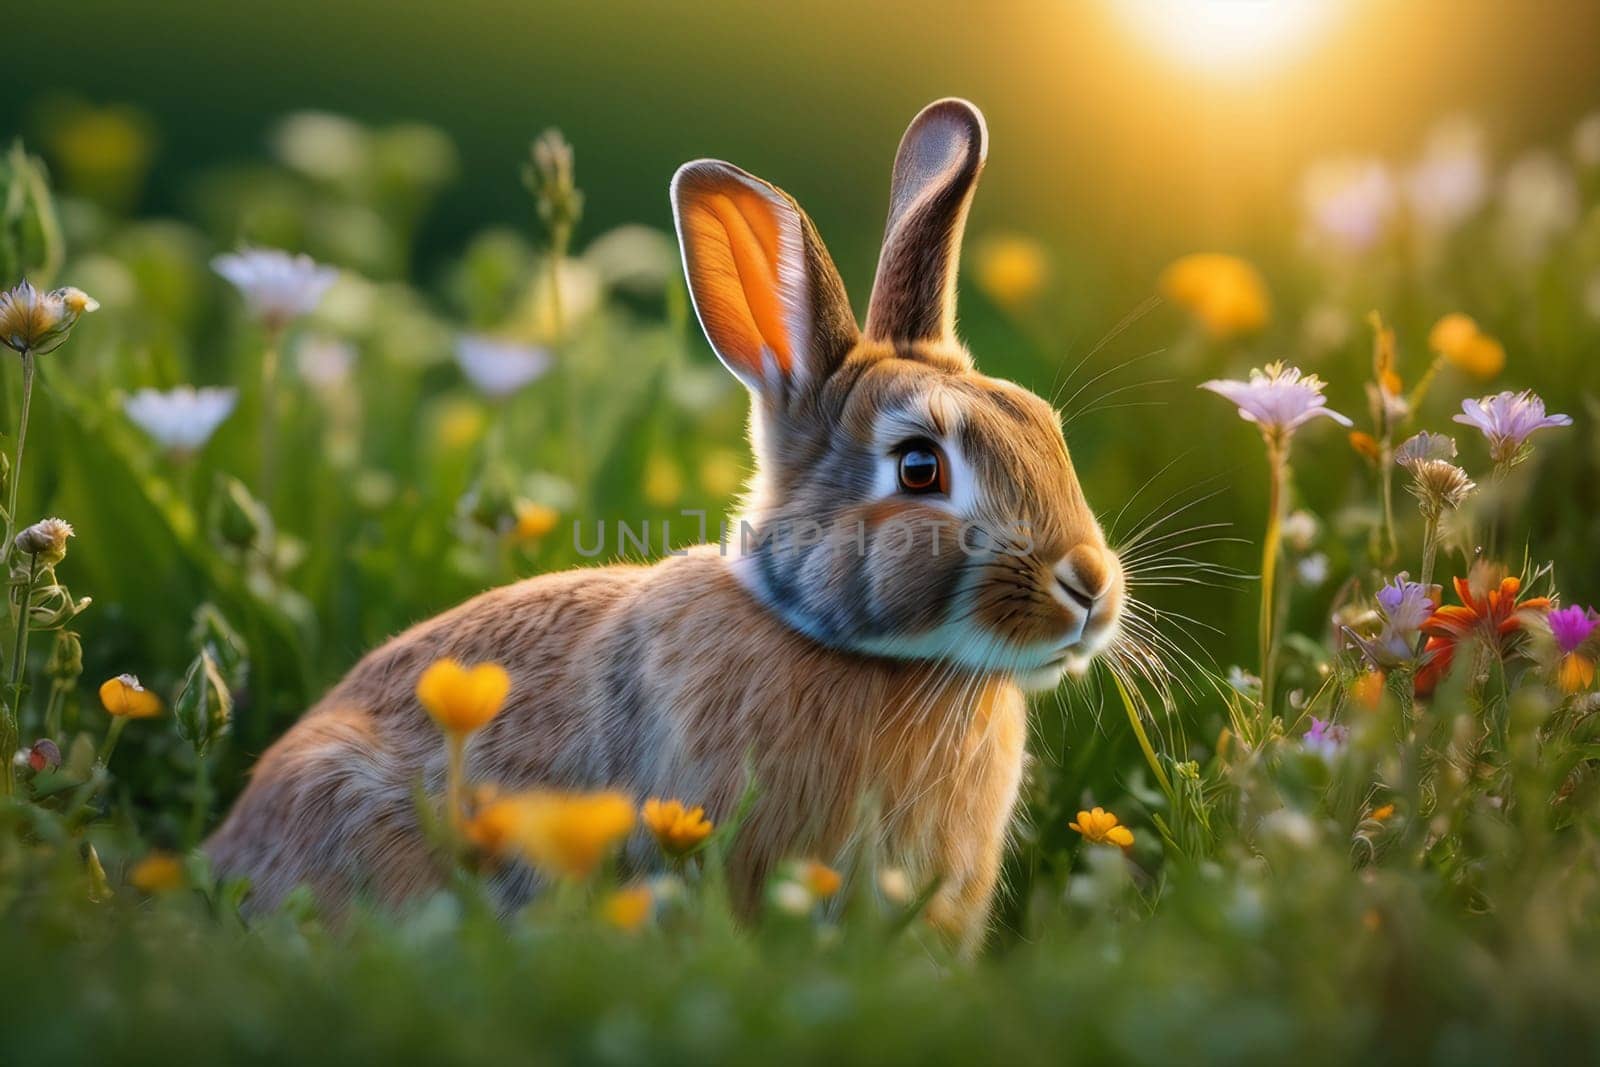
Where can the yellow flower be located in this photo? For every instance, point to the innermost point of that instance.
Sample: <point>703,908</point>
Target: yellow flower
<point>627,909</point>
<point>458,423</point>
<point>534,520</point>
<point>1577,672</point>
<point>1011,270</point>
<point>822,881</point>
<point>125,698</point>
<point>159,872</point>
<point>1102,828</point>
<point>721,472</point>
<point>1457,338</point>
<point>460,699</point>
<point>1225,294</point>
<point>1367,690</point>
<point>565,835</point>
<point>663,480</point>
<point>677,829</point>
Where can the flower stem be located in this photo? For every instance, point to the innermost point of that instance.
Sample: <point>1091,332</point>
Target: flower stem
<point>16,464</point>
<point>112,735</point>
<point>202,799</point>
<point>1270,545</point>
<point>11,728</point>
<point>269,413</point>
<point>456,749</point>
<point>1143,738</point>
<point>1391,544</point>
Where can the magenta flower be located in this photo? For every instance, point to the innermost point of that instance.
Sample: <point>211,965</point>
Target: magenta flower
<point>1279,399</point>
<point>1508,419</point>
<point>1572,626</point>
<point>1325,738</point>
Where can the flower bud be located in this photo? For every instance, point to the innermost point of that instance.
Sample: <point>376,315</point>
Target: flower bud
<point>44,755</point>
<point>237,518</point>
<point>212,632</point>
<point>46,541</point>
<point>36,323</point>
<point>205,707</point>
<point>66,659</point>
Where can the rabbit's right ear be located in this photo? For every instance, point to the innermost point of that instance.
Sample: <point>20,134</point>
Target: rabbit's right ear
<point>767,294</point>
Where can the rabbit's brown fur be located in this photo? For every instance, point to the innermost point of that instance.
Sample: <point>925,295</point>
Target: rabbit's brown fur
<point>869,675</point>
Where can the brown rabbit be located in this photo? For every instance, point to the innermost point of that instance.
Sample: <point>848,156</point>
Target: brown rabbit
<point>915,552</point>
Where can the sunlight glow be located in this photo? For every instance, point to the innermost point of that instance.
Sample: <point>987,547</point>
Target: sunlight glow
<point>1227,35</point>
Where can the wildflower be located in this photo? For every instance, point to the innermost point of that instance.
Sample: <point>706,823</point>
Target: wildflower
<point>662,480</point>
<point>1225,294</point>
<point>499,368</point>
<point>1242,681</point>
<point>895,885</point>
<point>534,520</point>
<point>677,829</point>
<point>277,287</point>
<point>34,322</point>
<point>549,177</point>
<point>1325,738</point>
<point>792,898</point>
<point>1279,399</point>
<point>1313,569</point>
<point>1489,610</point>
<point>324,362</point>
<point>564,835</point>
<point>1349,202</point>
<point>1439,485</point>
<point>1540,201</point>
<point>1011,270</point>
<point>820,879</point>
<point>125,698</point>
<point>1101,827</point>
<point>1457,338</point>
<point>46,541</point>
<point>1507,420</point>
<point>44,755</point>
<point>627,909</point>
<point>1571,628</point>
<point>1424,446</point>
<point>158,872</point>
<point>1381,814</point>
<point>1367,689</point>
<point>460,699</point>
<point>1404,606</point>
<point>1450,182</point>
<point>180,420</point>
<point>1365,445</point>
<point>1300,530</point>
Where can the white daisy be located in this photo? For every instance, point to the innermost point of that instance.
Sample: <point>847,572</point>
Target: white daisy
<point>182,419</point>
<point>499,368</point>
<point>277,287</point>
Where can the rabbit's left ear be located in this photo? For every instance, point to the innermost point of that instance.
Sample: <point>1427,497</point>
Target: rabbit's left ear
<point>767,294</point>
<point>935,174</point>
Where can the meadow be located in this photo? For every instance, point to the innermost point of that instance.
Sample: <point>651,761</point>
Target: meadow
<point>1336,792</point>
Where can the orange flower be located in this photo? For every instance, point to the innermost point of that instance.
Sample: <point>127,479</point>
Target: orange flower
<point>460,699</point>
<point>1381,814</point>
<point>1367,690</point>
<point>677,829</point>
<point>1489,610</point>
<point>1457,338</point>
<point>159,872</point>
<point>565,835</point>
<point>1365,445</point>
<point>1102,828</point>
<point>823,881</point>
<point>125,698</point>
<point>627,909</point>
<point>1225,294</point>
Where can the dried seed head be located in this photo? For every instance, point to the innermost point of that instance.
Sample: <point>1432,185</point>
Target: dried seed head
<point>46,540</point>
<point>1439,485</point>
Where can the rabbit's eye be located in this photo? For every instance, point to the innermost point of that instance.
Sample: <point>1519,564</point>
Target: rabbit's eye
<point>922,468</point>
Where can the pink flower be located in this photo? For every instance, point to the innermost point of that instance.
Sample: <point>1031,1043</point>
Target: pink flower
<point>1279,399</point>
<point>1572,626</point>
<point>1508,419</point>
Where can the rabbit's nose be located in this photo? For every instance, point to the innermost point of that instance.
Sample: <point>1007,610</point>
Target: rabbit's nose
<point>1084,574</point>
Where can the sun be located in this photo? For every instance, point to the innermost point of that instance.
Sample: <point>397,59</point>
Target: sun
<point>1224,36</point>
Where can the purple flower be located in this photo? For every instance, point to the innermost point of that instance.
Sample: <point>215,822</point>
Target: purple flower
<point>1325,738</point>
<point>1508,420</point>
<point>1405,606</point>
<point>1279,399</point>
<point>1572,626</point>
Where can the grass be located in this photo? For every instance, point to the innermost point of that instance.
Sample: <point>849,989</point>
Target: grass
<point>1422,886</point>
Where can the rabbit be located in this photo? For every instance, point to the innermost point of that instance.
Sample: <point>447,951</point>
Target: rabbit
<point>914,554</point>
